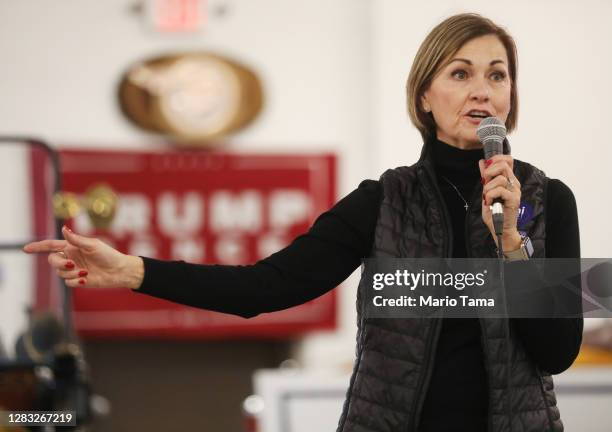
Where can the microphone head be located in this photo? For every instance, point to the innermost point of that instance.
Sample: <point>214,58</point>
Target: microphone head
<point>45,332</point>
<point>491,132</point>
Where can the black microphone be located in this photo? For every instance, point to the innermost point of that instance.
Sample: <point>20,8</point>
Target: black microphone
<point>38,342</point>
<point>491,132</point>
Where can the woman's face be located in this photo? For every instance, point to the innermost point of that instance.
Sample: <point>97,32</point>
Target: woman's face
<point>476,78</point>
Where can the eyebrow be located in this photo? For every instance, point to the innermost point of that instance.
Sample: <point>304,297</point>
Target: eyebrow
<point>470,63</point>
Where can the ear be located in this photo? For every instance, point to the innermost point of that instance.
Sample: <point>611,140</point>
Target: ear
<point>425,106</point>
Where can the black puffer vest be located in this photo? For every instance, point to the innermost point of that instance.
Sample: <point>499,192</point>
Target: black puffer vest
<point>395,357</point>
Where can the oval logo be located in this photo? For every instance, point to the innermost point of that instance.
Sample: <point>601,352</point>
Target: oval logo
<point>525,214</point>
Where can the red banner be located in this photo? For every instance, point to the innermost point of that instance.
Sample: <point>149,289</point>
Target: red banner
<point>199,207</point>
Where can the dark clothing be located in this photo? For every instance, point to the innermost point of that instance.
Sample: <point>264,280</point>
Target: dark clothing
<point>319,260</point>
<point>396,357</point>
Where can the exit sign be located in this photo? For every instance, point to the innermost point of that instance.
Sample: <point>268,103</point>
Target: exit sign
<point>177,15</point>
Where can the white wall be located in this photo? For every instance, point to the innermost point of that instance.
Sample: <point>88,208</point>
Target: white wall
<point>334,75</point>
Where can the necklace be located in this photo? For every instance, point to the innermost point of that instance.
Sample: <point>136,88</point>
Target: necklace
<point>466,206</point>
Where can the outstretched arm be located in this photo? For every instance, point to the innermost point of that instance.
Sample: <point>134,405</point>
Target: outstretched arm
<point>310,266</point>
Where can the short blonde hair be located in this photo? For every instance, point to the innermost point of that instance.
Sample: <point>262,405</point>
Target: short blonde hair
<point>439,45</point>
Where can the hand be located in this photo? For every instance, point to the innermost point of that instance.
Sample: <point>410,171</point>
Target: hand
<point>89,262</point>
<point>496,174</point>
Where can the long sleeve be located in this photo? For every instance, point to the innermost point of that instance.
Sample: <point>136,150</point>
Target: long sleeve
<point>313,264</point>
<point>554,343</point>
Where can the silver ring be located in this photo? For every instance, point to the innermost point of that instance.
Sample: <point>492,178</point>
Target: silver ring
<point>62,254</point>
<point>510,184</point>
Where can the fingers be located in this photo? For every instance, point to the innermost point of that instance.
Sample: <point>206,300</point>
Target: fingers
<point>72,274</point>
<point>45,246</point>
<point>77,282</point>
<point>497,172</point>
<point>511,198</point>
<point>497,165</point>
<point>502,181</point>
<point>73,277</point>
<point>501,158</point>
<point>86,243</point>
<point>59,261</point>
<point>66,269</point>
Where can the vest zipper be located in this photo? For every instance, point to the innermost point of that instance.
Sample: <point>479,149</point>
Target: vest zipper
<point>423,385</point>
<point>543,390</point>
<point>483,339</point>
<point>468,250</point>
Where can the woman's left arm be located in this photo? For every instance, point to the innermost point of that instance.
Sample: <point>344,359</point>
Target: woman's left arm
<point>554,343</point>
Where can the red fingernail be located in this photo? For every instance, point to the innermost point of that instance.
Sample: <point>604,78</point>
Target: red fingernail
<point>482,181</point>
<point>82,281</point>
<point>69,265</point>
<point>488,162</point>
<point>67,229</point>
<point>83,273</point>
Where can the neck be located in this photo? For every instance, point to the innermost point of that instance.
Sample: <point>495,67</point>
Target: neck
<point>458,142</point>
<point>456,163</point>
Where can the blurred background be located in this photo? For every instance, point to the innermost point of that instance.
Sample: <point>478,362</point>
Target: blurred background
<point>223,128</point>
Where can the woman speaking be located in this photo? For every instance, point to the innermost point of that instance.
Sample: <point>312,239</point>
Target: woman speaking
<point>409,374</point>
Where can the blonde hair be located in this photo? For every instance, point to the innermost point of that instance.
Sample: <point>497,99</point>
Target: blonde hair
<point>439,45</point>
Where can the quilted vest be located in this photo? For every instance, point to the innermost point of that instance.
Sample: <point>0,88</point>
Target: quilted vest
<point>394,357</point>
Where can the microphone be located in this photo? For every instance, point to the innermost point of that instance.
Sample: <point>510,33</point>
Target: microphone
<point>45,333</point>
<point>491,132</point>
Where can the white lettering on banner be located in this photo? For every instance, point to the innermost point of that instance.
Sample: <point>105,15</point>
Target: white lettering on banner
<point>289,206</point>
<point>191,250</point>
<point>133,215</point>
<point>236,211</point>
<point>144,246</point>
<point>179,216</point>
<point>231,250</point>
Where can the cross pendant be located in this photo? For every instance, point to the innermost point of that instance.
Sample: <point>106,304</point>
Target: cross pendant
<point>466,206</point>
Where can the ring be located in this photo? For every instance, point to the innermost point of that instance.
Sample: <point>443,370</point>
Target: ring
<point>62,254</point>
<point>510,184</point>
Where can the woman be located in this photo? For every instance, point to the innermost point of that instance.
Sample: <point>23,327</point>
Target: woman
<point>410,375</point>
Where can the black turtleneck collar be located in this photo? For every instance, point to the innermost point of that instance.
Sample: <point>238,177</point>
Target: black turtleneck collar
<point>455,163</point>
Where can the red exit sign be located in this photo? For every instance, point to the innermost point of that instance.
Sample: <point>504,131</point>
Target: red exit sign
<point>177,15</point>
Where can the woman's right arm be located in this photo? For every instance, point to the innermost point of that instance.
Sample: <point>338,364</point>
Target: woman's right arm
<point>313,264</point>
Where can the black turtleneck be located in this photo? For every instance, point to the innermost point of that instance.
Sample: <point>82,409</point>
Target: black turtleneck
<point>457,174</point>
<point>320,259</point>
<point>458,384</point>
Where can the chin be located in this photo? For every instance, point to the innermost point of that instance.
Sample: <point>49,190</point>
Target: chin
<point>472,140</point>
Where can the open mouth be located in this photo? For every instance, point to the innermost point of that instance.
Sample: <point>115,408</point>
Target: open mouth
<point>478,114</point>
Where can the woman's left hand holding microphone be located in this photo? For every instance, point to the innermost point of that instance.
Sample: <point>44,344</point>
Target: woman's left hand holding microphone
<point>89,262</point>
<point>499,182</point>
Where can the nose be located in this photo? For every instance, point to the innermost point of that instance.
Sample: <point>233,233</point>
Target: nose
<point>479,91</point>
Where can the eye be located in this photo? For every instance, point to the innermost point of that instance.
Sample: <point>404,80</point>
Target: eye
<point>460,74</point>
<point>498,76</point>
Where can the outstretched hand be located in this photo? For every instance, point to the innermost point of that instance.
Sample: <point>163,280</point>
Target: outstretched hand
<point>89,262</point>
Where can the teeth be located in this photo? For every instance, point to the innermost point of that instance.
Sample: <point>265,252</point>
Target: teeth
<point>478,113</point>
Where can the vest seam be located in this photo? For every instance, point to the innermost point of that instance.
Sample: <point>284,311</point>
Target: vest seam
<point>365,425</point>
<point>372,324</point>
<point>392,357</point>
<point>385,381</point>
<point>394,409</point>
